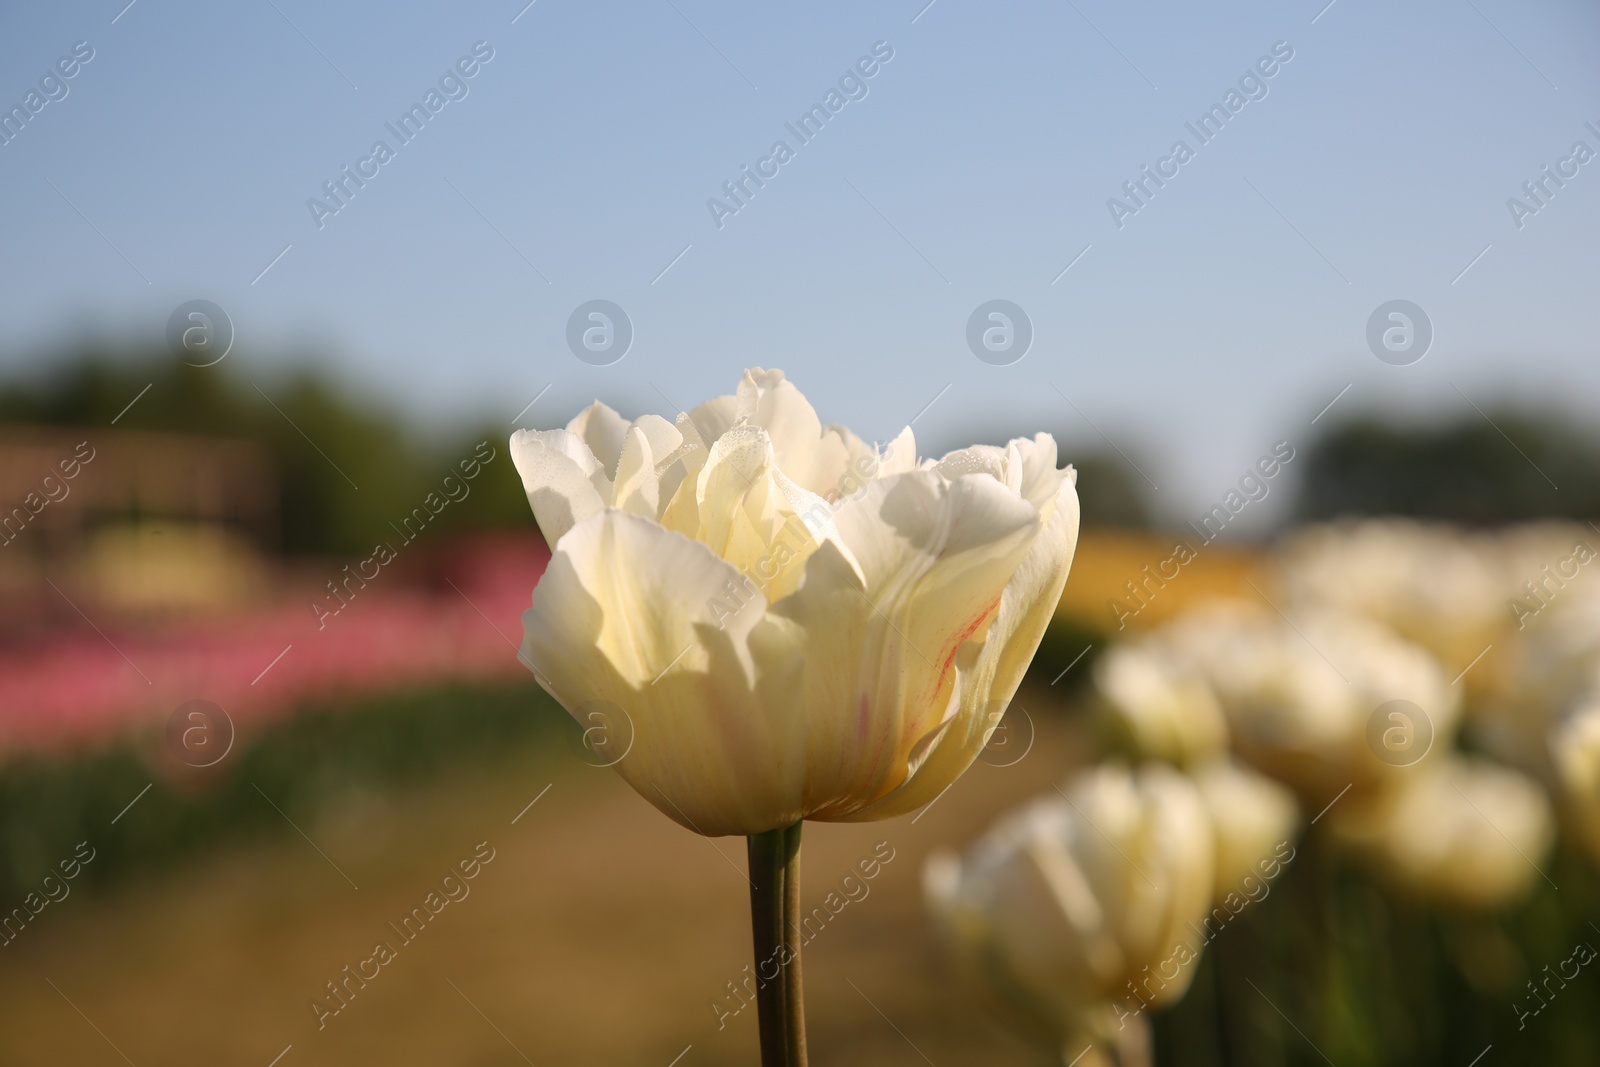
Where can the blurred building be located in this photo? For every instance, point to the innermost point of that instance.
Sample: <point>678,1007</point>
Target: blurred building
<point>132,519</point>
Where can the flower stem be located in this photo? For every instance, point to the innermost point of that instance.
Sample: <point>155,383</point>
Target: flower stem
<point>774,919</point>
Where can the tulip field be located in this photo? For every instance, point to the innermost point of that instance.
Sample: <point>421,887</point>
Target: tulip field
<point>701,534</point>
<point>1188,849</point>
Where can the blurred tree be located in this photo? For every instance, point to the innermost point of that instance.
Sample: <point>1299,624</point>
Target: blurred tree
<point>1110,491</point>
<point>1463,471</point>
<point>496,499</point>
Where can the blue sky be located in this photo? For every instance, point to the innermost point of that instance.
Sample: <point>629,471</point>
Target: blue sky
<point>1220,318</point>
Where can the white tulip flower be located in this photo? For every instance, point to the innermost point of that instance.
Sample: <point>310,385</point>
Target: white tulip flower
<point>1575,752</point>
<point>1082,909</point>
<point>797,626</point>
<point>1162,707</point>
<point>1300,694</point>
<point>1461,832</point>
<point>1253,820</point>
<point>1433,584</point>
<point>790,624</point>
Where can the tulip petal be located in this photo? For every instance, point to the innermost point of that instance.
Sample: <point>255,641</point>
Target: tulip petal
<point>564,481</point>
<point>899,455</point>
<point>664,437</point>
<point>634,615</point>
<point>1041,480</point>
<point>714,418</point>
<point>752,515</point>
<point>637,488</point>
<point>602,429</point>
<point>920,565</point>
<point>646,445</point>
<point>680,478</point>
<point>989,674</point>
<point>812,458</point>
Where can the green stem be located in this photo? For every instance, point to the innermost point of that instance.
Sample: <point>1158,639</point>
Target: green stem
<point>774,921</point>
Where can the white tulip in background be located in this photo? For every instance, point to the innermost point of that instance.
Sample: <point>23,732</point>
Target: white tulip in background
<point>1298,692</point>
<point>1554,670</point>
<point>1575,752</point>
<point>1063,905</point>
<point>1435,585</point>
<point>1462,832</point>
<point>1519,606</point>
<point>1079,910</point>
<point>1253,819</point>
<point>1160,707</point>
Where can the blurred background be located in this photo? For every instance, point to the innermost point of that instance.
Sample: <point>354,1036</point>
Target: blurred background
<point>263,554</point>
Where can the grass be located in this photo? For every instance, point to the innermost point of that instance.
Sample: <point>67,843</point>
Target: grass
<point>49,805</point>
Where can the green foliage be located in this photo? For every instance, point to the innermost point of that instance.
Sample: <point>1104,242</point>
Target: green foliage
<point>1110,492</point>
<point>1467,471</point>
<point>1330,968</point>
<point>1066,644</point>
<point>48,806</point>
<point>497,500</point>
